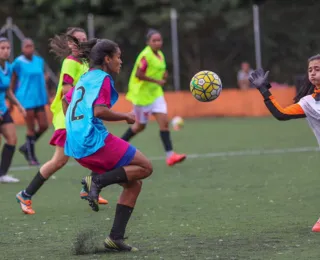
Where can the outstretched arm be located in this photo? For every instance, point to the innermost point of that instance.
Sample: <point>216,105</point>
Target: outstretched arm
<point>259,79</point>
<point>294,111</point>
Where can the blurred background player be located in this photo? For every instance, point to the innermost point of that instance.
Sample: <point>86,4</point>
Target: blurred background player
<point>243,76</point>
<point>145,92</point>
<point>307,101</point>
<point>28,82</point>
<point>71,71</point>
<point>89,142</point>
<point>7,127</point>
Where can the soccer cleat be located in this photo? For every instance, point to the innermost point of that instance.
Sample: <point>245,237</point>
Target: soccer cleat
<point>175,158</point>
<point>118,245</point>
<point>316,227</point>
<point>93,192</point>
<point>32,160</point>
<point>23,151</point>
<point>25,203</point>
<point>8,179</point>
<point>84,195</point>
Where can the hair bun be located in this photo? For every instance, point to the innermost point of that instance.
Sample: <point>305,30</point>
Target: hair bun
<point>151,32</point>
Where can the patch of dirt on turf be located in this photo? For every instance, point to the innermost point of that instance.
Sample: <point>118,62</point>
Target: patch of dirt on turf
<point>87,242</point>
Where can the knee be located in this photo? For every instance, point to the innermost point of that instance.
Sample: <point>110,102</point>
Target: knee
<point>148,169</point>
<point>136,187</point>
<point>43,127</point>
<point>138,128</point>
<point>12,140</point>
<point>164,126</point>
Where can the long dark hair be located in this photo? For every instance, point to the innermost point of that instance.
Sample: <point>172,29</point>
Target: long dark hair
<point>94,51</point>
<point>59,43</point>
<point>306,87</point>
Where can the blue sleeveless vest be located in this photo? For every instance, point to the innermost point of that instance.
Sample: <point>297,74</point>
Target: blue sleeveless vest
<point>86,133</point>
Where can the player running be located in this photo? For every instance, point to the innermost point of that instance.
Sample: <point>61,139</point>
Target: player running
<point>72,68</point>
<point>148,76</point>
<point>7,127</point>
<point>112,159</point>
<point>307,101</point>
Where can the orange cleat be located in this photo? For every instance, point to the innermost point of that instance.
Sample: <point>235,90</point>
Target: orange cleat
<point>102,200</point>
<point>316,227</point>
<point>175,158</point>
<point>25,204</point>
<point>84,194</point>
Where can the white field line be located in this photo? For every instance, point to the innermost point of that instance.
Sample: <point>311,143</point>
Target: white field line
<point>210,155</point>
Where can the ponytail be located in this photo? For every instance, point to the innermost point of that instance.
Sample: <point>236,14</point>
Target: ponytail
<point>305,88</point>
<point>59,43</point>
<point>84,47</point>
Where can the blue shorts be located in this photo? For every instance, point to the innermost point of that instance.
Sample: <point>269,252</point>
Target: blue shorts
<point>127,157</point>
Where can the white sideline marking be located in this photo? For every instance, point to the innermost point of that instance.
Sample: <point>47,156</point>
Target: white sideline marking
<point>210,155</point>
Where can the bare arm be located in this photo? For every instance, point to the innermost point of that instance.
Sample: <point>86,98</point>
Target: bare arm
<point>165,76</point>
<point>66,88</point>
<point>13,81</point>
<point>12,98</point>
<point>141,75</point>
<point>65,105</point>
<point>106,114</point>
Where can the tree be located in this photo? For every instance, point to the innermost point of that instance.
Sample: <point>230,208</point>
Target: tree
<point>214,34</point>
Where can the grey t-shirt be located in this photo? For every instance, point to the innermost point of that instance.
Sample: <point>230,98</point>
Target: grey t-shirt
<point>243,75</point>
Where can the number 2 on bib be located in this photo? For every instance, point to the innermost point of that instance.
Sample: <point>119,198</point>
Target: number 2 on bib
<point>73,111</point>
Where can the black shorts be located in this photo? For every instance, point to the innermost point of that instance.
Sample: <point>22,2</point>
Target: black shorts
<point>36,109</point>
<point>6,118</point>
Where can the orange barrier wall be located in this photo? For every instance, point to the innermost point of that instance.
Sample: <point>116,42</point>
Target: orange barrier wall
<point>232,102</point>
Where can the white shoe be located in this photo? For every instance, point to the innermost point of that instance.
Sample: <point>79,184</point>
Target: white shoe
<point>8,179</point>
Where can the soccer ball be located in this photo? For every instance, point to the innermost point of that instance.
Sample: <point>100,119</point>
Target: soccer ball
<point>177,123</point>
<point>205,86</point>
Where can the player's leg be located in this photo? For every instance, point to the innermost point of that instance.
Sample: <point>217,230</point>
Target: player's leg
<point>24,197</point>
<point>28,148</point>
<point>159,111</point>
<point>84,193</point>
<point>124,209</point>
<point>139,168</point>
<point>42,121</point>
<point>58,160</point>
<point>129,171</point>
<point>142,116</point>
<point>8,131</point>
<point>131,165</point>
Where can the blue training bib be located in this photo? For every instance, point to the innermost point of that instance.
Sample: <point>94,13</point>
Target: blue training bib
<point>5,77</point>
<point>85,132</point>
<point>31,88</point>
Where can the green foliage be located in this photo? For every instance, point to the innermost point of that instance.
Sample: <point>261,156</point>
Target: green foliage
<point>213,34</point>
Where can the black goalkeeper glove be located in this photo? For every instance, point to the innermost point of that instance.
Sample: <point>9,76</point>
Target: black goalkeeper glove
<point>259,80</point>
